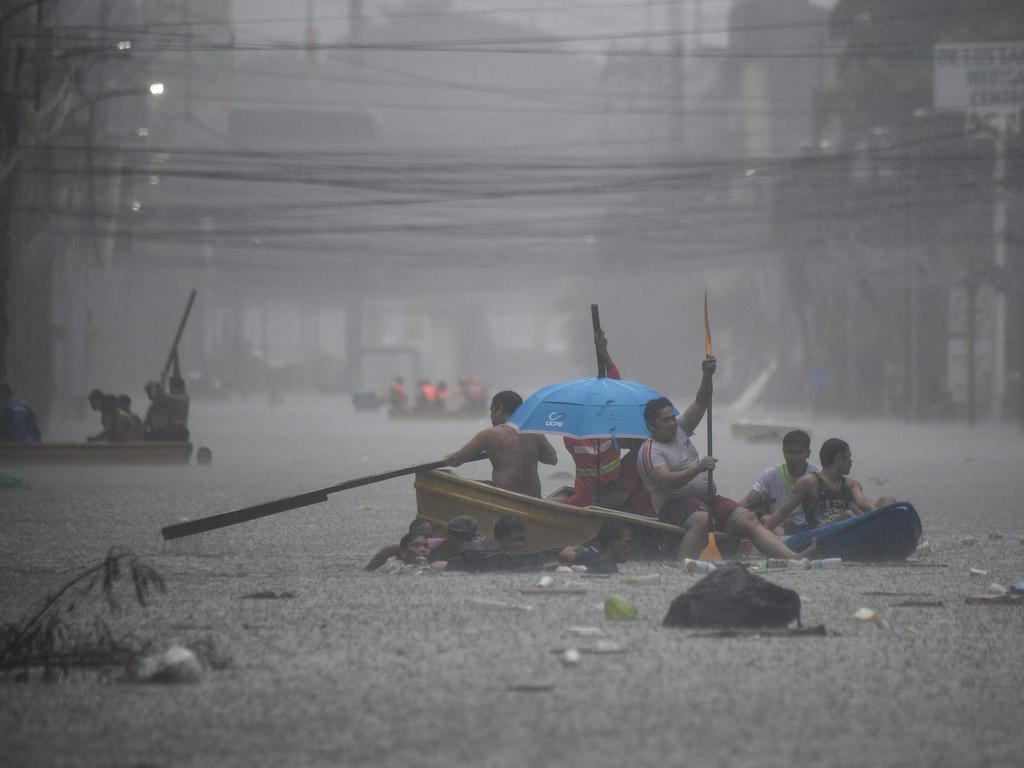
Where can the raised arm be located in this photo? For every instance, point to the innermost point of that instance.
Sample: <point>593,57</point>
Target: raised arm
<point>472,449</point>
<point>601,342</point>
<point>695,411</point>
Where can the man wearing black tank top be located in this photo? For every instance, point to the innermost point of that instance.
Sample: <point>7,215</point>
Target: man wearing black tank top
<point>829,495</point>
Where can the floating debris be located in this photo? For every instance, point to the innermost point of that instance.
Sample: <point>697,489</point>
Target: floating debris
<point>866,614</point>
<point>268,594</point>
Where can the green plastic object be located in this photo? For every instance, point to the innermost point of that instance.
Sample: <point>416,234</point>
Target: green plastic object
<point>619,609</point>
<point>12,480</point>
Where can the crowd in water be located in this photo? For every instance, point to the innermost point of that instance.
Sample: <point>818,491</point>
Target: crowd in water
<point>461,548</point>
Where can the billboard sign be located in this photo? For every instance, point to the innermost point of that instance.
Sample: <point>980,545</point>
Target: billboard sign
<point>980,78</point>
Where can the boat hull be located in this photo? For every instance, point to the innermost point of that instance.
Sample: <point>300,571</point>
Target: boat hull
<point>441,495</point>
<point>95,453</point>
<point>887,533</point>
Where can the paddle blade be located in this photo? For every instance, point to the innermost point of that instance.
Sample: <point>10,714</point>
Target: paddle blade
<point>710,552</point>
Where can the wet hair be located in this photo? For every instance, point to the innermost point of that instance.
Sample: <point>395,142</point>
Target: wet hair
<point>408,538</point>
<point>96,396</point>
<point>6,391</point>
<point>652,408</point>
<point>610,532</point>
<point>110,401</point>
<point>507,526</point>
<point>421,524</point>
<point>124,402</point>
<point>506,401</point>
<point>832,448</point>
<point>796,440</point>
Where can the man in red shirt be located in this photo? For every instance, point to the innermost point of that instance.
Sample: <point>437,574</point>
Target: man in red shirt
<point>602,476</point>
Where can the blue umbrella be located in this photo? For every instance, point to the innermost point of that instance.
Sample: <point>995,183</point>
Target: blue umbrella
<point>587,408</point>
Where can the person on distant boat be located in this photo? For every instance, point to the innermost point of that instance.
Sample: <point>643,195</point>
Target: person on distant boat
<point>398,398</point>
<point>167,416</point>
<point>513,456</point>
<point>671,469</point>
<point>614,545</point>
<point>827,496</point>
<point>441,394</point>
<point>776,483</point>
<point>17,420</point>
<point>96,404</point>
<point>125,404</point>
<point>122,428</point>
<point>419,525</point>
<point>426,396</point>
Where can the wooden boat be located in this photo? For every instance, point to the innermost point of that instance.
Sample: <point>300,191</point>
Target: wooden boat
<point>441,495</point>
<point>760,430</point>
<point>95,453</point>
<point>886,533</point>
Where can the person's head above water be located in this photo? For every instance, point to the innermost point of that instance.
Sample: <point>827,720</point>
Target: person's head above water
<point>510,533</point>
<point>412,547</point>
<point>796,449</point>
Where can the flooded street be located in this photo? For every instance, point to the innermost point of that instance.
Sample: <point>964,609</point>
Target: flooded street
<point>374,670</point>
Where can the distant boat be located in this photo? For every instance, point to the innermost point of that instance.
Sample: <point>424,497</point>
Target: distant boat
<point>438,414</point>
<point>95,453</point>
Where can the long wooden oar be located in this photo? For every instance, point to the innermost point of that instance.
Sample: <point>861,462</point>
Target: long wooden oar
<point>181,330</point>
<point>708,355</point>
<point>223,520</point>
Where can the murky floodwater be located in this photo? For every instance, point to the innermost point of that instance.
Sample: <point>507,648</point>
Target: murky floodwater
<point>363,669</point>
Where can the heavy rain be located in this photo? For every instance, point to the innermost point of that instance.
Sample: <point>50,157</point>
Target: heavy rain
<point>310,241</point>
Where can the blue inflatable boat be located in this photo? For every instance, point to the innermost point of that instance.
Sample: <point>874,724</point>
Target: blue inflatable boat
<point>886,533</point>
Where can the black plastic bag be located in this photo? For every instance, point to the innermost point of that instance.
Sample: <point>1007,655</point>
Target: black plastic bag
<point>733,597</point>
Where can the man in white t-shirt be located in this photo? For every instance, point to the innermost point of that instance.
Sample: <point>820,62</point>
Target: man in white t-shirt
<point>673,472</point>
<point>776,483</point>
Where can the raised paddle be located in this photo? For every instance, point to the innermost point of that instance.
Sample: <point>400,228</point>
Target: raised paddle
<point>177,336</point>
<point>223,520</point>
<point>595,318</point>
<point>707,356</point>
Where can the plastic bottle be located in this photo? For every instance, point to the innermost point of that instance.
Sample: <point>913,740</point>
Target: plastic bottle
<point>828,562</point>
<point>697,566</point>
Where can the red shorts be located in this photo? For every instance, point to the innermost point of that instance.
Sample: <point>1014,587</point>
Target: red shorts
<point>677,510</point>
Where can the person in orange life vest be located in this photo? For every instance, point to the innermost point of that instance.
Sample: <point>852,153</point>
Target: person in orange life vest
<point>441,395</point>
<point>427,395</point>
<point>602,476</point>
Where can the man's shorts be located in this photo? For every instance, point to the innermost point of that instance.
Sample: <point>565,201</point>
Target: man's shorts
<point>677,510</point>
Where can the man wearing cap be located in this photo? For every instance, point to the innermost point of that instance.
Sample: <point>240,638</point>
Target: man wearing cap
<point>460,530</point>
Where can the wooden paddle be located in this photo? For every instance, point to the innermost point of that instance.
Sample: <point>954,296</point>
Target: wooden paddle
<point>595,318</point>
<point>177,336</point>
<point>225,519</point>
<point>707,356</point>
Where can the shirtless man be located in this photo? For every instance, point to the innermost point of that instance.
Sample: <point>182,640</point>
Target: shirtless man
<point>513,456</point>
<point>829,495</point>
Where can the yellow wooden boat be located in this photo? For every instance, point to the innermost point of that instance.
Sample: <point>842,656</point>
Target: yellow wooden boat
<point>442,495</point>
<point>95,453</point>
